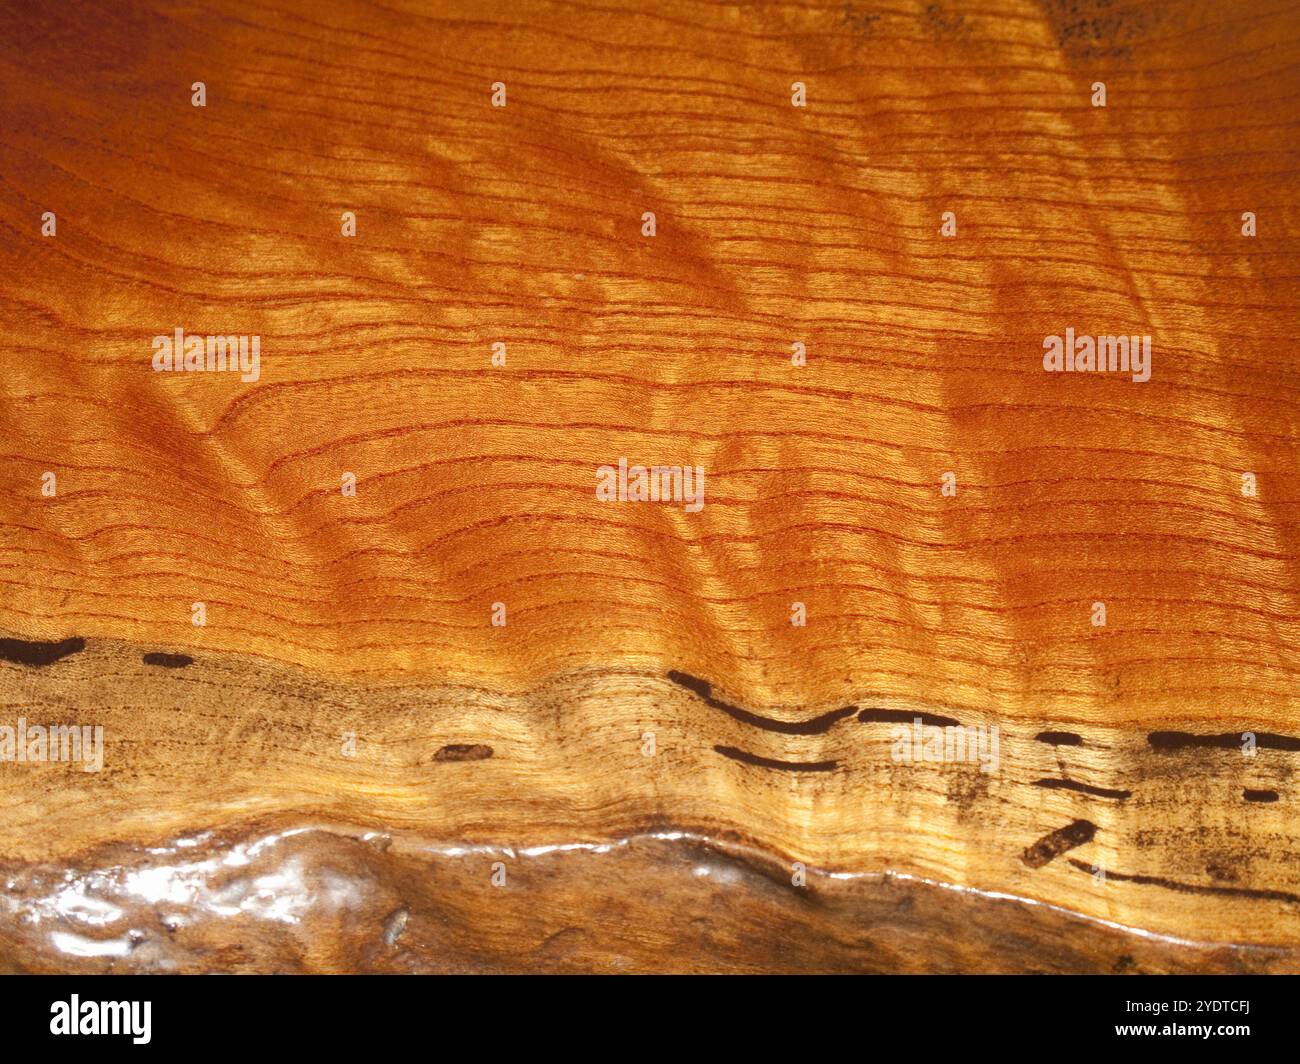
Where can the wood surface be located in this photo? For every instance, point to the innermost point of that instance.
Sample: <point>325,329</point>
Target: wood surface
<point>350,767</point>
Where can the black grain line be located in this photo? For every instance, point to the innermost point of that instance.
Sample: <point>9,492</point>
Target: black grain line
<point>816,726</point>
<point>37,653</point>
<point>1059,738</point>
<point>1194,888</point>
<point>906,716</point>
<point>1082,788</point>
<point>1055,843</point>
<point>1176,740</point>
<point>1259,796</point>
<point>768,762</point>
<point>168,661</point>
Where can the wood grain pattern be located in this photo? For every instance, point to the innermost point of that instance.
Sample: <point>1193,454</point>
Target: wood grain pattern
<point>329,615</point>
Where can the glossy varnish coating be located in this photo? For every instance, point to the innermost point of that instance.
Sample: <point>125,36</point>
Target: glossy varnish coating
<point>348,685</point>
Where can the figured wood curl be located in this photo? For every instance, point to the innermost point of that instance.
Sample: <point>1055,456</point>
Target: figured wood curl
<point>671,774</point>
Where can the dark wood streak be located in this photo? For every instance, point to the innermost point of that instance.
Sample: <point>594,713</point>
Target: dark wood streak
<point>1059,738</point>
<point>1194,888</point>
<point>168,661</point>
<point>906,716</point>
<point>1055,843</point>
<point>463,752</point>
<point>1082,788</point>
<point>1259,796</point>
<point>37,653</point>
<point>816,726</point>
<point>1176,740</point>
<point>769,762</point>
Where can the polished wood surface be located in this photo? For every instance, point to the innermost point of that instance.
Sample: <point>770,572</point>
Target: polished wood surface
<point>648,699</point>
